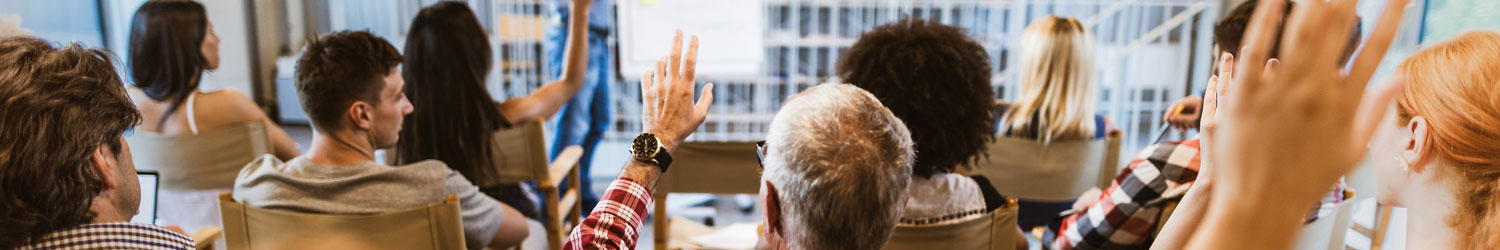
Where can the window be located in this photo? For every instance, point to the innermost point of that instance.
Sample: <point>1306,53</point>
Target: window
<point>61,21</point>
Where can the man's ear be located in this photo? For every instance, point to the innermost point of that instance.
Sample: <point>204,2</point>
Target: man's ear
<point>105,162</point>
<point>773,208</point>
<point>360,114</point>
<point>1416,147</point>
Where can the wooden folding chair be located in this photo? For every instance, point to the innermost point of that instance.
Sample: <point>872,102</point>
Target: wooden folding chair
<point>520,154</point>
<point>204,238</point>
<point>435,226</point>
<point>1057,171</point>
<point>1376,234</point>
<point>995,231</point>
<point>1327,233</point>
<point>195,168</point>
<point>706,167</point>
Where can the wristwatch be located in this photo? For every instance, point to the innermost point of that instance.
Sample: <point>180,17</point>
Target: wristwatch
<point>647,148</point>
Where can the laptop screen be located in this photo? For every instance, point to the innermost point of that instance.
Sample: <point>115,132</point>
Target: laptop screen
<point>147,212</point>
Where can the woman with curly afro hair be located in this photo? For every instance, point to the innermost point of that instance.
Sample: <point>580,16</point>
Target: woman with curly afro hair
<point>937,80</point>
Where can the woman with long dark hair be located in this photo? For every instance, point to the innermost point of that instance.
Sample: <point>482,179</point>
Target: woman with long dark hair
<point>172,43</point>
<point>447,59</point>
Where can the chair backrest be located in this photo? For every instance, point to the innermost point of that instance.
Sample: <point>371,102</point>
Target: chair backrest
<point>997,230</point>
<point>520,153</point>
<point>1328,233</point>
<point>435,226</point>
<point>208,160</point>
<point>712,167</point>
<point>1057,171</point>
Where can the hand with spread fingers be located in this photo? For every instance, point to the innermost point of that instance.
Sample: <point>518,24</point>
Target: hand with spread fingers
<point>1284,134</point>
<point>668,110</point>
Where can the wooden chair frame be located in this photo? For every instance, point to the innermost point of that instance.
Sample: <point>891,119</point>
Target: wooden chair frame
<point>521,155</point>
<point>441,222</point>
<point>705,167</point>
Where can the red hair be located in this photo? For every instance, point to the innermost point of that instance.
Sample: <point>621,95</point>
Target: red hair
<point>1453,86</point>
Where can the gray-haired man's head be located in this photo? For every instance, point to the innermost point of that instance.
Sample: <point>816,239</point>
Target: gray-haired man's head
<point>837,165</point>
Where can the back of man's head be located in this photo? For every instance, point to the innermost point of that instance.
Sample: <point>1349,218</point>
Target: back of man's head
<point>840,163</point>
<point>57,107</point>
<point>340,68</point>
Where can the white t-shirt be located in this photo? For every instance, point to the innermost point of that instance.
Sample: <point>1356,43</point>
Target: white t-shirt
<point>943,199</point>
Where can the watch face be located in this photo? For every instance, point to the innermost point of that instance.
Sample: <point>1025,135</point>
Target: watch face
<point>645,146</point>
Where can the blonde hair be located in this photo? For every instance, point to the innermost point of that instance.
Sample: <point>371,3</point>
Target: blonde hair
<point>1057,82</point>
<point>1453,86</point>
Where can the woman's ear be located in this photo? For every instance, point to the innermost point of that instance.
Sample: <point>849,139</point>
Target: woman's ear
<point>1417,146</point>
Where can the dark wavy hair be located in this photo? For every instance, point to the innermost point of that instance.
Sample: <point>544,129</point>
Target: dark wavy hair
<point>57,106</point>
<point>936,79</point>
<point>166,59</point>
<point>340,68</point>
<point>447,59</point>
<point>1229,33</point>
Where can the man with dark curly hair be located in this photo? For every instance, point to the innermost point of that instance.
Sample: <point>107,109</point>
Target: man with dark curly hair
<point>936,79</point>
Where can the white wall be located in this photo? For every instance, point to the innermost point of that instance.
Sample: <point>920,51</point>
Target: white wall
<point>229,20</point>
<point>230,23</point>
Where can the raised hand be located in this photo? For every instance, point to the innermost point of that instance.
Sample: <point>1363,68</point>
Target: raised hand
<point>1284,136</point>
<point>667,108</point>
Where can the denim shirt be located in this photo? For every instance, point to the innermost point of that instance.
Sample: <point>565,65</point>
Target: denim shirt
<point>601,15</point>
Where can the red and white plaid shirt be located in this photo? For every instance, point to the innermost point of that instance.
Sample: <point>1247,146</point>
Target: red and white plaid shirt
<point>616,222</point>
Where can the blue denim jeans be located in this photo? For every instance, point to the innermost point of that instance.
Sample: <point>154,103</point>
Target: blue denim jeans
<point>587,116</point>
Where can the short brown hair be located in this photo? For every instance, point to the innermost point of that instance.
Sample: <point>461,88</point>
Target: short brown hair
<point>57,106</point>
<point>340,68</point>
<point>1229,33</point>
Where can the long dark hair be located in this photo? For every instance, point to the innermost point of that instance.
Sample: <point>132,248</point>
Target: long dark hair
<point>166,59</point>
<point>447,59</point>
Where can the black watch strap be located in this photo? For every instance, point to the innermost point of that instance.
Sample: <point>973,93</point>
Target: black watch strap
<point>663,160</point>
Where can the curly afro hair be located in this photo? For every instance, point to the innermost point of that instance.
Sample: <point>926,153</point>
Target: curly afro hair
<point>936,79</point>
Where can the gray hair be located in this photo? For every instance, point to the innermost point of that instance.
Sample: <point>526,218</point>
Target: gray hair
<point>840,162</point>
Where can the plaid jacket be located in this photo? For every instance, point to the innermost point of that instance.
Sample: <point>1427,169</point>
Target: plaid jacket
<point>1126,216</point>
<point>616,222</point>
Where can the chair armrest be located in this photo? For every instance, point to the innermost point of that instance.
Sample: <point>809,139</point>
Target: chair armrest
<point>565,163</point>
<point>204,237</point>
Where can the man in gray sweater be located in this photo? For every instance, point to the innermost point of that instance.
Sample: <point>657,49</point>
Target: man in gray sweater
<point>351,89</point>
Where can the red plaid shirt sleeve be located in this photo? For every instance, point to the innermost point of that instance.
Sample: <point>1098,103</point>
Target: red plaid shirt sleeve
<point>616,222</point>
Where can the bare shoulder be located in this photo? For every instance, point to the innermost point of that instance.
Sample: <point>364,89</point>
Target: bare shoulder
<point>138,96</point>
<point>225,108</point>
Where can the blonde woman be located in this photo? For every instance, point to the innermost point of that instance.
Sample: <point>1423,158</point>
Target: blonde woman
<point>1057,96</point>
<point>1440,160</point>
<point>1057,90</point>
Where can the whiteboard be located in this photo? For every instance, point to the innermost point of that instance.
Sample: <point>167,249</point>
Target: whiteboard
<point>729,35</point>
